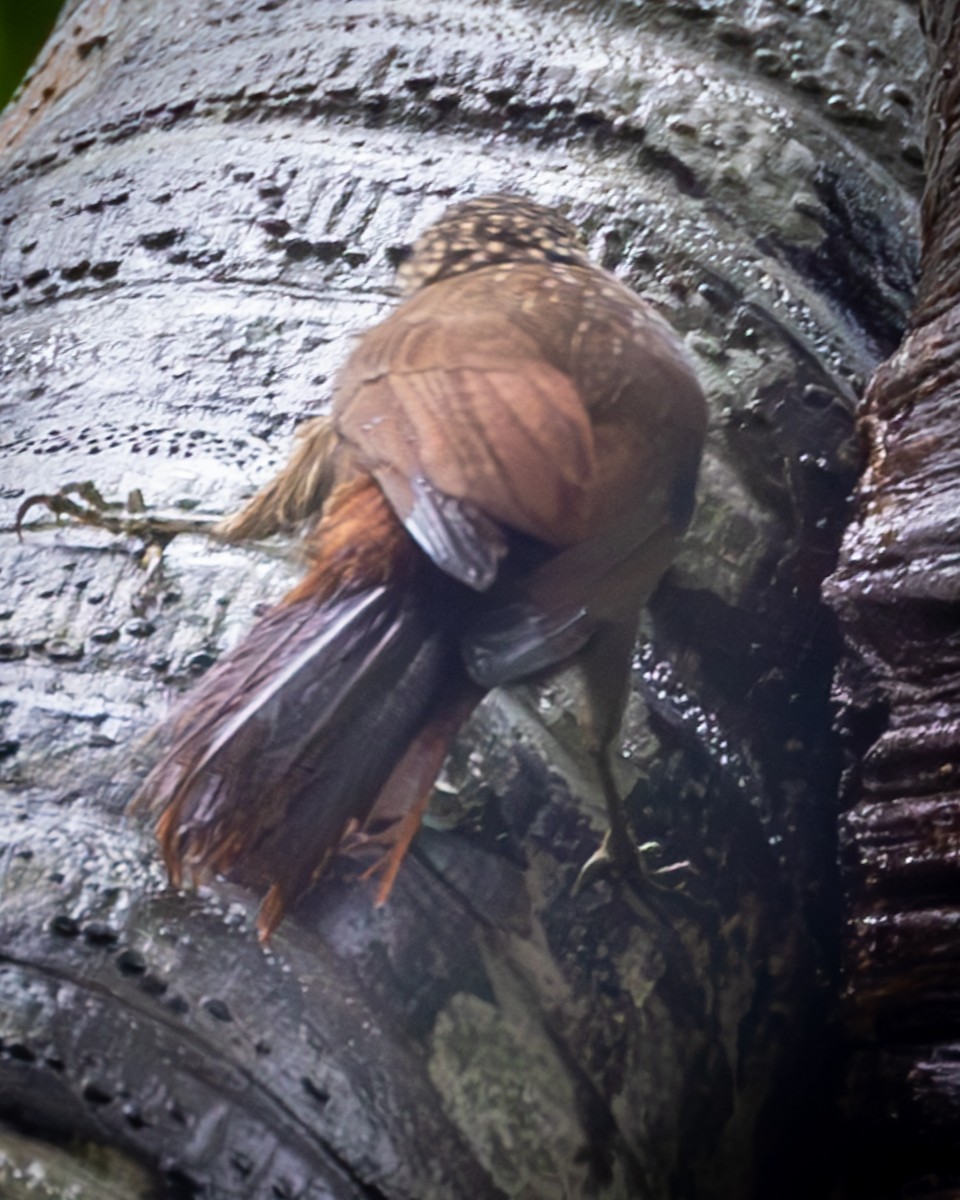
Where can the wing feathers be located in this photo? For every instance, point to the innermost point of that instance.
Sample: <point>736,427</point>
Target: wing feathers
<point>517,446</point>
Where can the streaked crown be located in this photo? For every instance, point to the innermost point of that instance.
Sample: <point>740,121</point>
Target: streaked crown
<point>487,230</point>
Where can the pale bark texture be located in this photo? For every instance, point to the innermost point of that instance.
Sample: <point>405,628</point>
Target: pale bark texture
<point>199,205</point>
<point>897,590</point>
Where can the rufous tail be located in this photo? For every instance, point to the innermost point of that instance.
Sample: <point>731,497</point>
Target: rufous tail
<point>333,714</point>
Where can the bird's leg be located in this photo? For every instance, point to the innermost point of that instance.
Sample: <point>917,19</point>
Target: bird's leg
<point>83,502</point>
<point>405,796</point>
<point>605,664</point>
<point>292,497</point>
<point>618,843</point>
<point>605,669</point>
<point>618,851</point>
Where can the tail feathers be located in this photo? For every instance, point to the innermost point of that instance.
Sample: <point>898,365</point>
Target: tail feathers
<point>403,799</point>
<point>284,748</point>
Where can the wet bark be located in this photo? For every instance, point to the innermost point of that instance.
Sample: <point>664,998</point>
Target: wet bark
<point>896,590</point>
<point>197,212</point>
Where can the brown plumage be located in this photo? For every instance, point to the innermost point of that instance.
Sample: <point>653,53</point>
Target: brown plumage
<point>510,460</point>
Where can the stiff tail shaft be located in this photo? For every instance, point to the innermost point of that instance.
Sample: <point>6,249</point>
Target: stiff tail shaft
<point>338,705</point>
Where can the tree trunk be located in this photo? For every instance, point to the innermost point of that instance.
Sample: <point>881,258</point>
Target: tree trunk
<point>197,211</point>
<point>896,590</point>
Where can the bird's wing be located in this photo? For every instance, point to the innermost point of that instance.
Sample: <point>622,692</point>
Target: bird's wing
<point>470,432</point>
<point>545,405</point>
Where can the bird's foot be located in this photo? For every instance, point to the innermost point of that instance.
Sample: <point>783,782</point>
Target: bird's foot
<point>83,503</point>
<point>394,842</point>
<point>619,854</point>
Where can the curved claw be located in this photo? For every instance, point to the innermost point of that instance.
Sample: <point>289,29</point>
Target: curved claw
<point>595,868</point>
<point>629,860</point>
<point>60,504</point>
<point>57,503</point>
<point>396,840</point>
<point>24,509</point>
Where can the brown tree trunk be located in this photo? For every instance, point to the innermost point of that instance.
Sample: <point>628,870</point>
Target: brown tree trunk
<point>198,206</point>
<point>897,590</point>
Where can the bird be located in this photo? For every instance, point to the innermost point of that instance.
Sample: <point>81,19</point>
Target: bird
<point>508,464</point>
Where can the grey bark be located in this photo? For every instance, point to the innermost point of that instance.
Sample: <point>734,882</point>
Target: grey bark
<point>198,209</point>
